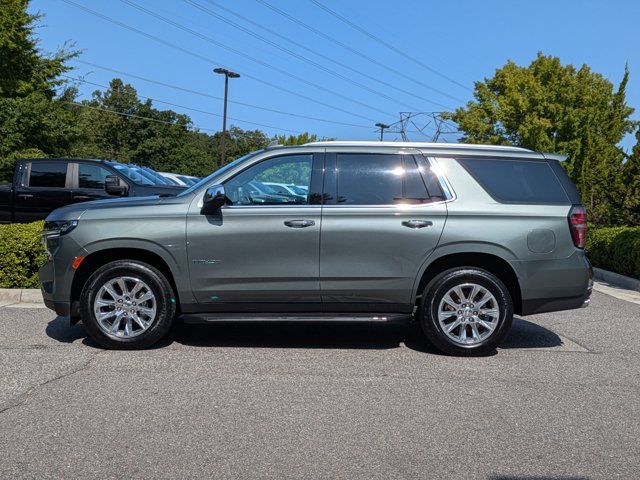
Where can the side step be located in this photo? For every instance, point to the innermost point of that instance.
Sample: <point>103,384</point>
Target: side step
<point>193,318</point>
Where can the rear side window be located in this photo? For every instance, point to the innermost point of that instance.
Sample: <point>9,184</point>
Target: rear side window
<point>91,176</point>
<point>379,179</point>
<point>517,181</point>
<point>48,174</point>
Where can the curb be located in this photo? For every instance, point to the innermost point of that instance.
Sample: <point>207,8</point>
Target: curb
<point>12,296</point>
<point>616,279</point>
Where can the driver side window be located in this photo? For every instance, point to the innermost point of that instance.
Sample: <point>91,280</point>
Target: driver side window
<point>281,180</point>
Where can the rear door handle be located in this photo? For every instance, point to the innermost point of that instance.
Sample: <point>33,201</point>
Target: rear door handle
<point>81,197</point>
<point>299,223</point>
<point>417,223</point>
<point>25,195</point>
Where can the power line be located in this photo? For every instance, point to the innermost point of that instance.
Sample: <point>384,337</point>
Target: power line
<point>292,53</point>
<point>208,95</point>
<point>124,114</point>
<point>249,57</point>
<point>353,50</point>
<point>205,112</point>
<point>299,45</point>
<point>386,44</point>
<point>209,60</point>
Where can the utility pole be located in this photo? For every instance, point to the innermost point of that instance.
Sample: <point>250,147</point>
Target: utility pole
<point>381,126</point>
<point>227,74</point>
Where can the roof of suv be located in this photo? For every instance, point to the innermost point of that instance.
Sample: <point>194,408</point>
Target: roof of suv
<point>445,148</point>
<point>66,159</point>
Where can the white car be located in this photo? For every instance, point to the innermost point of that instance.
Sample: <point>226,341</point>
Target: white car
<point>180,179</point>
<point>288,189</point>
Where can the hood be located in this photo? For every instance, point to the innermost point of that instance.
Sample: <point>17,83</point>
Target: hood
<point>76,210</point>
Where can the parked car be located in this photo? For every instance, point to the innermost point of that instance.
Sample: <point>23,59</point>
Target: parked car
<point>40,185</point>
<point>180,179</point>
<point>457,237</point>
<point>288,190</point>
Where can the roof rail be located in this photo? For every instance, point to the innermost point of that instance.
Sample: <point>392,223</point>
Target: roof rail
<point>453,146</point>
<point>561,157</point>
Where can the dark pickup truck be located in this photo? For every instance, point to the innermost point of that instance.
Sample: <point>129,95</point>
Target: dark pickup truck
<point>40,185</point>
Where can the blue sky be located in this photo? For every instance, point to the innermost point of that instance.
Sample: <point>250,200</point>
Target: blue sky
<point>461,40</point>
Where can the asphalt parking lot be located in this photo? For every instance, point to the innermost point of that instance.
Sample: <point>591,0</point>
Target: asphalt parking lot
<point>561,399</point>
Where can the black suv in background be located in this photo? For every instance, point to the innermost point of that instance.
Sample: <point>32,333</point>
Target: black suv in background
<point>41,185</point>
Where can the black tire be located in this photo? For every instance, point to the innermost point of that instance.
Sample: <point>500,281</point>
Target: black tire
<point>438,288</point>
<point>157,283</point>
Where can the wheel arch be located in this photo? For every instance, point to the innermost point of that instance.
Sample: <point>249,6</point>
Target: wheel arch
<point>98,258</point>
<point>490,262</point>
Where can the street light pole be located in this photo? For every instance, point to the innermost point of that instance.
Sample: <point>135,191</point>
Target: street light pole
<point>227,74</point>
<point>381,126</point>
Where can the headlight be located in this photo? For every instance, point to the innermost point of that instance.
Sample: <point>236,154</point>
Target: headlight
<point>58,228</point>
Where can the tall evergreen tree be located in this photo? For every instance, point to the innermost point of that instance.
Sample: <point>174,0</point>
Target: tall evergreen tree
<point>559,108</point>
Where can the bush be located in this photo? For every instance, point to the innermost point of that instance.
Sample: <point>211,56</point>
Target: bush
<point>21,255</point>
<point>615,248</point>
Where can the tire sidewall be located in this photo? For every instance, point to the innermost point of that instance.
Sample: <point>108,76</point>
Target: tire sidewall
<point>431,302</point>
<point>165,301</point>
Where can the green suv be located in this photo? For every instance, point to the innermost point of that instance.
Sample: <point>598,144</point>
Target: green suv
<point>457,237</point>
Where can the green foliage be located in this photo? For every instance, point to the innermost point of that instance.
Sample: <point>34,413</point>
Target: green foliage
<point>559,108</point>
<point>31,115</point>
<point>21,255</point>
<point>616,249</point>
<point>300,139</point>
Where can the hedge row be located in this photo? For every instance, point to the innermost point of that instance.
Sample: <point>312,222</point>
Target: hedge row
<point>615,248</point>
<point>21,254</point>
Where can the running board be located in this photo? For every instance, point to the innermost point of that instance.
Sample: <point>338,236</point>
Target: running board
<point>291,318</point>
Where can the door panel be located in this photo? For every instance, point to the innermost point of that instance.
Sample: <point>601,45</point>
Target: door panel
<point>43,189</point>
<point>368,255</point>
<point>378,227</point>
<point>262,252</point>
<point>248,254</point>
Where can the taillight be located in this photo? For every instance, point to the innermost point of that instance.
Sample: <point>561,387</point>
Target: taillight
<point>578,225</point>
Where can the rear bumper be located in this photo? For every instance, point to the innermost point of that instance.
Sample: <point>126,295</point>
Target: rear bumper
<point>563,285</point>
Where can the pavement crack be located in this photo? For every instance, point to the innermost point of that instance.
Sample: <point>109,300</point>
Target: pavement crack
<point>22,398</point>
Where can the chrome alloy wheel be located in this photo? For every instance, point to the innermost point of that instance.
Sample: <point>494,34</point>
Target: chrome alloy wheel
<point>125,307</point>
<point>468,314</point>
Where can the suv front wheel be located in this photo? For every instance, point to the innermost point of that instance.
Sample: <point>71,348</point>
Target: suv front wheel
<point>466,311</point>
<point>127,304</point>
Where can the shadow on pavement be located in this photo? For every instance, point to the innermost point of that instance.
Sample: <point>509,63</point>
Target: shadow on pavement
<point>524,334</point>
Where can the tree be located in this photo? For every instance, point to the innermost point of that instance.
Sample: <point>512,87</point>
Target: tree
<point>631,180</point>
<point>548,106</point>
<point>300,139</point>
<point>32,114</point>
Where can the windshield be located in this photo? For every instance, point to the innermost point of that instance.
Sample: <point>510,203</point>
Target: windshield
<point>218,172</point>
<point>160,180</point>
<point>133,174</point>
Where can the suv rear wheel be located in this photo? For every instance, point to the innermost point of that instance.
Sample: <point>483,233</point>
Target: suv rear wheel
<point>466,311</point>
<point>127,304</point>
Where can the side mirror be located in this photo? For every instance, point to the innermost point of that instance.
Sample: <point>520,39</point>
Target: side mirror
<point>114,185</point>
<point>214,199</point>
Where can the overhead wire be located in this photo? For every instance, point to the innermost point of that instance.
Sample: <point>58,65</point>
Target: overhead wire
<point>387,44</point>
<point>301,46</point>
<point>250,57</point>
<point>208,95</point>
<point>354,51</point>
<point>210,60</point>
<point>205,112</point>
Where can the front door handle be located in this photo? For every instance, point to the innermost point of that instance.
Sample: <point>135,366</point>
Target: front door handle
<point>81,197</point>
<point>417,223</point>
<point>299,223</point>
<point>25,195</point>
